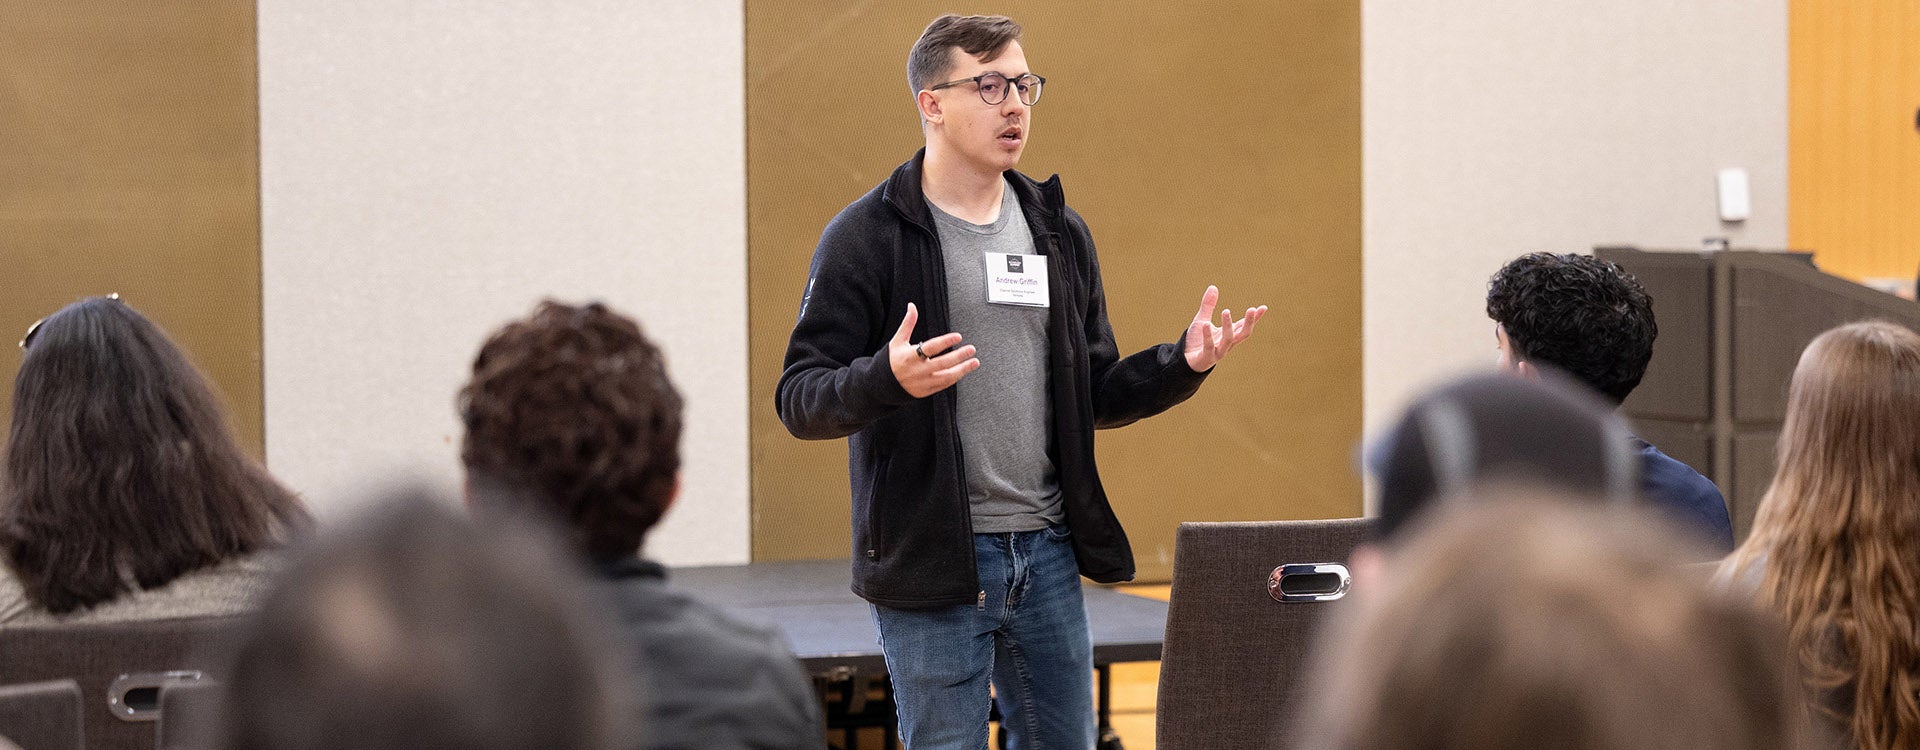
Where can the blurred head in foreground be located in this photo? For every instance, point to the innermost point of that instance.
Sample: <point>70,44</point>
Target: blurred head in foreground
<point>412,627</point>
<point>1547,431</point>
<point>1521,621</point>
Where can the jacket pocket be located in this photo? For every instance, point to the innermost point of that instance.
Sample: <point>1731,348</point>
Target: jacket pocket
<point>876,509</point>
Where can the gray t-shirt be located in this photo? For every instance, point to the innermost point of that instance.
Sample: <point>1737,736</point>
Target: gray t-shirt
<point>1005,411</point>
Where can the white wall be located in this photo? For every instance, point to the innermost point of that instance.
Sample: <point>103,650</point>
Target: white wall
<point>430,169</point>
<point>1500,127</point>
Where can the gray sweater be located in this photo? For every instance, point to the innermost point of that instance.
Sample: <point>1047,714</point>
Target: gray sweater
<point>711,682</point>
<point>228,588</point>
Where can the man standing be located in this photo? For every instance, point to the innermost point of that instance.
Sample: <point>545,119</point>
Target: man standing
<point>976,508</point>
<point>1594,321</point>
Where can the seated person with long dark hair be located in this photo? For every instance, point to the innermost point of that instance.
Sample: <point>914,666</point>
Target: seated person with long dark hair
<point>125,495</point>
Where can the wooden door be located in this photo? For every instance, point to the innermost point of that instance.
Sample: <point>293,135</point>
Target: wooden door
<point>1854,140</point>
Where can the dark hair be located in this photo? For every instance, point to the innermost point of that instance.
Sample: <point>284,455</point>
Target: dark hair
<point>1584,315</point>
<point>1520,620</point>
<point>983,37</point>
<point>121,470</point>
<point>411,627</point>
<point>1500,428</point>
<point>570,411</point>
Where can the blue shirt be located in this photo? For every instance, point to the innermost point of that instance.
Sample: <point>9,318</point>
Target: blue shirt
<point>1686,496</point>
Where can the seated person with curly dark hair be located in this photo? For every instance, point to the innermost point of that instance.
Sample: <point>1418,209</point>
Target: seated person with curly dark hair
<point>125,495</point>
<point>1591,319</point>
<point>570,415</point>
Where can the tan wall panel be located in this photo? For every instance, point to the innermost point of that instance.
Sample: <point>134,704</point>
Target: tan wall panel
<point>1853,147</point>
<point>129,162</point>
<point>1214,145</point>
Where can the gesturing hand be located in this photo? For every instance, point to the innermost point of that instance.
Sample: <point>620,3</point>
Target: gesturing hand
<point>1207,343</point>
<point>930,366</point>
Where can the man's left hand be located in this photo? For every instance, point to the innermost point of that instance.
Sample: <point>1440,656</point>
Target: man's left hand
<point>1207,343</point>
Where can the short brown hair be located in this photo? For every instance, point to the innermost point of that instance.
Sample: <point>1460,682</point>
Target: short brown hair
<point>984,37</point>
<point>1517,621</point>
<point>570,410</point>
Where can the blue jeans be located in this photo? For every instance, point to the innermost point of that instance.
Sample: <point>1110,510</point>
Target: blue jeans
<point>1028,635</point>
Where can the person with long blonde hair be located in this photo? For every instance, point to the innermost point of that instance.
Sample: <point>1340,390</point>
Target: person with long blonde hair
<point>1835,545</point>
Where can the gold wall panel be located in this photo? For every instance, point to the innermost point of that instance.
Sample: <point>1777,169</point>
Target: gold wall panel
<point>1853,156</point>
<point>129,162</point>
<point>1212,143</point>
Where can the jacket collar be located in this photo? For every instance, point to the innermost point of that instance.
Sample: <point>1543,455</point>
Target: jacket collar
<point>632,567</point>
<point>1040,200</point>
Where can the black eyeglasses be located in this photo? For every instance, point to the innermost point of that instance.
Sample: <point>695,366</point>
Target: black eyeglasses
<point>993,87</point>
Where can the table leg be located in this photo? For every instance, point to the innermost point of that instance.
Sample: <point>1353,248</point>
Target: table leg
<point>1109,739</point>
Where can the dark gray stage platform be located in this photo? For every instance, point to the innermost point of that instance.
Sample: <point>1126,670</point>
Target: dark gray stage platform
<point>810,603</point>
<point>832,631</point>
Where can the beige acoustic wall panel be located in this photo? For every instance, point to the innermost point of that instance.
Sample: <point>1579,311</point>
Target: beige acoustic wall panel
<point>1502,127</point>
<point>1203,144</point>
<point>129,163</point>
<point>1854,85</point>
<point>433,169</point>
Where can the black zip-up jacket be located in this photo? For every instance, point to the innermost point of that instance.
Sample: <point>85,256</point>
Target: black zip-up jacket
<point>708,680</point>
<point>912,525</point>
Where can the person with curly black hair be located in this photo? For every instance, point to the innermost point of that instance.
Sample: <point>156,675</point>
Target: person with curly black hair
<point>570,417</point>
<point>1594,321</point>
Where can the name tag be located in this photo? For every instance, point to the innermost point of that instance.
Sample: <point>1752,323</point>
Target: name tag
<point>1014,279</point>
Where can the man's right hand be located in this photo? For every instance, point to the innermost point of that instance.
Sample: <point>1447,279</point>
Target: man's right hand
<point>930,366</point>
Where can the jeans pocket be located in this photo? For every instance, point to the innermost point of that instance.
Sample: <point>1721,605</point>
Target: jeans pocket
<point>1058,531</point>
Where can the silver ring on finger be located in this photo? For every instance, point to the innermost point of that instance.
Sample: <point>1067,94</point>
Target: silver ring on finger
<point>920,351</point>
